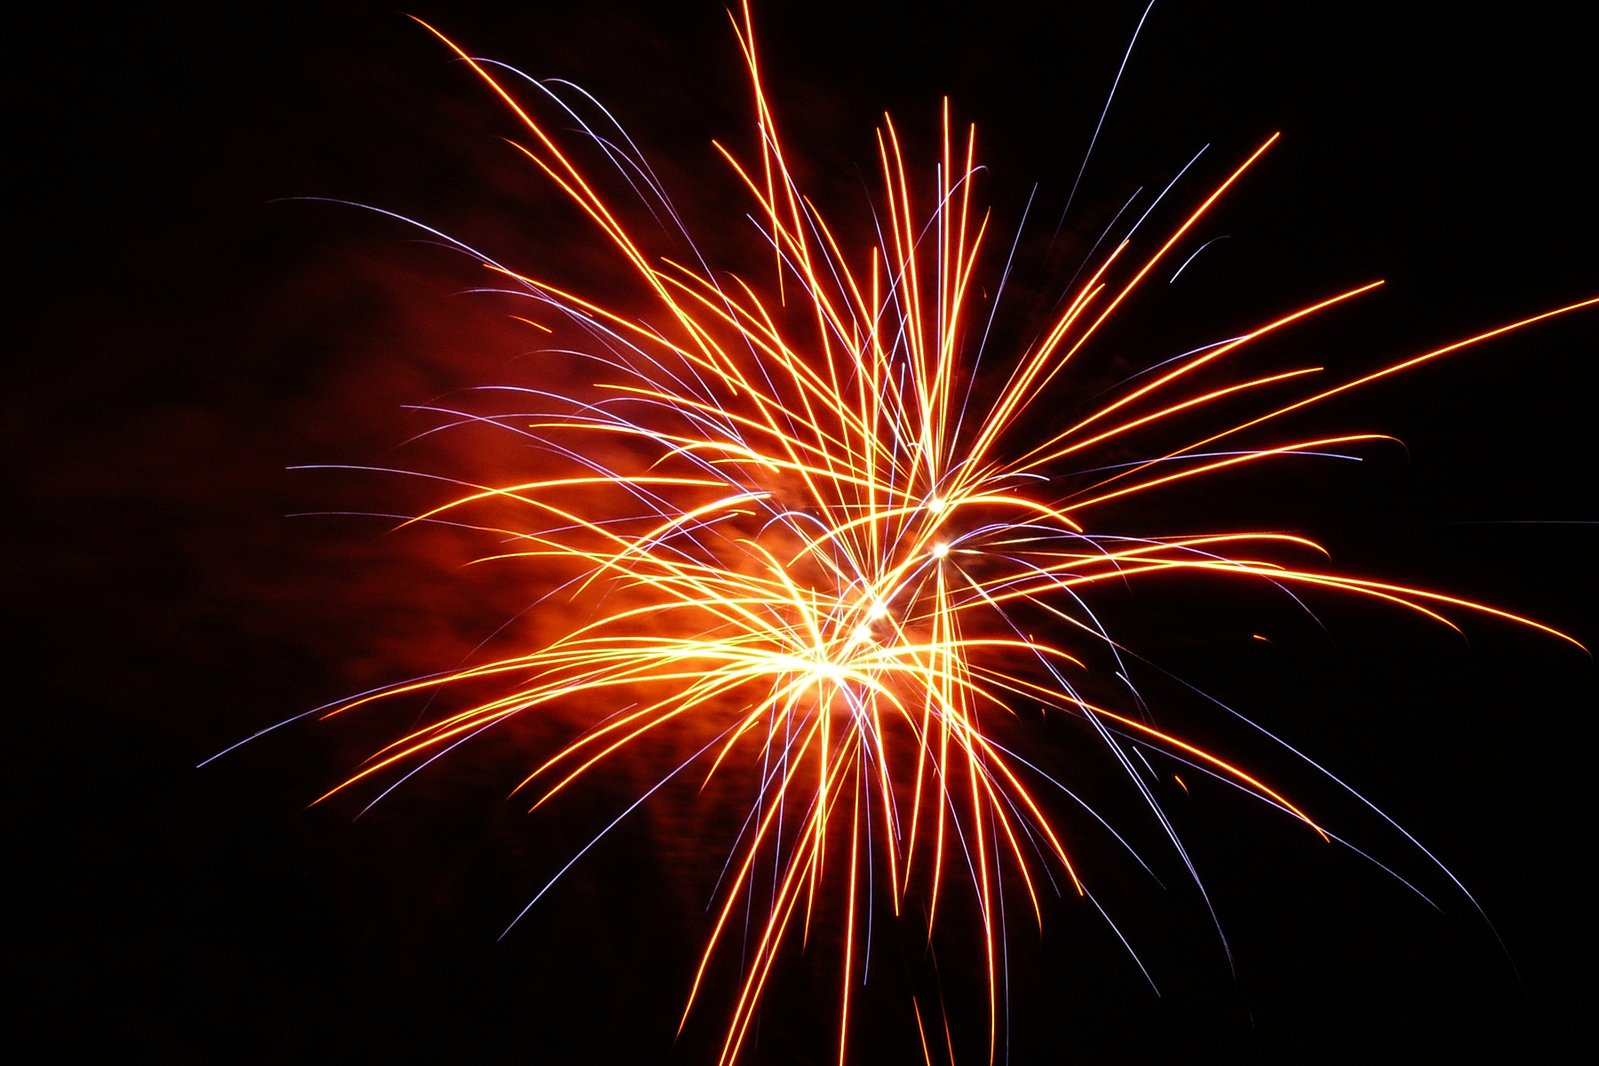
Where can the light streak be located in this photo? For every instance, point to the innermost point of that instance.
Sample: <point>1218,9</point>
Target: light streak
<point>828,554</point>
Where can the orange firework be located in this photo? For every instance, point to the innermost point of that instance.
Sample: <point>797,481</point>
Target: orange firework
<point>792,518</point>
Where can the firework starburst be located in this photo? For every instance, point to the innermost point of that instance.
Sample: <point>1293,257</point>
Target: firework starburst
<point>806,514</point>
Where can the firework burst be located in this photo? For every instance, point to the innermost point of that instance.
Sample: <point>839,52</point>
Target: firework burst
<point>808,518</point>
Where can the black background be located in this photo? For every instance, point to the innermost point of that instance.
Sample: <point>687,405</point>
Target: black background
<point>183,336</point>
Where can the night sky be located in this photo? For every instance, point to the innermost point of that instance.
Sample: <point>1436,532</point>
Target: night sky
<point>190,330</point>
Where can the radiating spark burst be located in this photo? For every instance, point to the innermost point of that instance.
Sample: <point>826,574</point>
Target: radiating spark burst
<point>831,551</point>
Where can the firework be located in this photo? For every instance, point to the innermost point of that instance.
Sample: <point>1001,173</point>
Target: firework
<point>806,518</point>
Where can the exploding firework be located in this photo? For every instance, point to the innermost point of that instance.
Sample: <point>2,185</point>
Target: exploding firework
<point>804,514</point>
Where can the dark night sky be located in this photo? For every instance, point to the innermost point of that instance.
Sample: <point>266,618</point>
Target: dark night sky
<point>187,334</point>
